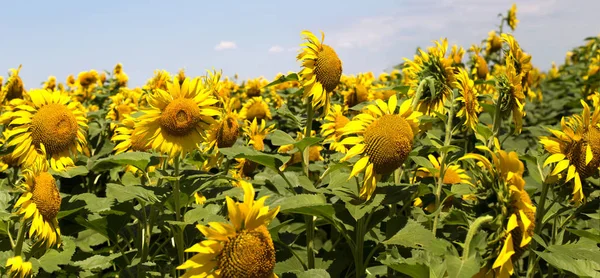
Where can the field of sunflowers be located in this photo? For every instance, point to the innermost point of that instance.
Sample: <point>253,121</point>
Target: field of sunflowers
<point>461,162</point>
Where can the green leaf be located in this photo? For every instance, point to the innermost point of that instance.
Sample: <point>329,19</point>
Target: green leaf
<point>358,211</point>
<point>458,267</point>
<point>51,260</point>
<point>581,268</point>
<point>414,235</point>
<point>273,161</point>
<point>96,262</point>
<point>310,204</point>
<point>586,234</point>
<point>125,193</point>
<point>283,79</point>
<point>280,138</point>
<point>94,204</point>
<point>411,266</point>
<point>423,162</point>
<point>291,265</point>
<point>306,142</point>
<point>314,273</point>
<point>71,172</point>
<point>140,160</point>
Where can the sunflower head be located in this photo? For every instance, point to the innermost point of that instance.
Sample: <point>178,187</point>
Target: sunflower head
<point>88,78</point>
<point>256,133</point>
<point>18,267</point>
<point>70,80</point>
<point>359,90</point>
<point>332,129</point>
<point>493,43</point>
<point>255,108</point>
<point>511,18</point>
<point>118,69</point>
<point>224,132</point>
<point>322,69</point>
<point>512,97</point>
<point>50,84</point>
<point>471,108</point>
<point>431,66</point>
<point>241,248</point>
<point>159,80</point>
<point>14,87</point>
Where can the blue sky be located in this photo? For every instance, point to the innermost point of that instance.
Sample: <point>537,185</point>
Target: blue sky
<point>261,38</point>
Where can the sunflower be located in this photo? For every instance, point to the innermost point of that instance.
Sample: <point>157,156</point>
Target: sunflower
<point>359,90</point>
<point>120,76</point>
<point>70,80</point>
<point>468,92</point>
<point>512,97</point>
<point>87,78</point>
<point>506,171</point>
<point>223,132</point>
<point>322,69</point>
<point>50,84</point>
<point>493,43</point>
<point>18,267</point>
<point>453,175</point>
<point>126,138</point>
<point>456,54</point>
<point>381,92</point>
<point>40,203</point>
<point>511,18</point>
<point>332,128</point>
<point>14,87</point>
<point>435,66</point>
<point>383,138</point>
<point>314,151</point>
<point>241,248</point>
<point>177,119</point>
<point>159,80</point>
<point>255,87</point>
<point>7,160</point>
<point>479,69</point>
<point>255,108</point>
<point>52,120</point>
<point>521,60</point>
<point>122,104</point>
<point>256,133</point>
<point>576,148</point>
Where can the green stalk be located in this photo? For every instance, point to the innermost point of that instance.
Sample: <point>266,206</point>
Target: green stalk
<point>309,219</point>
<point>20,239</point>
<point>418,94</point>
<point>472,230</point>
<point>178,217</point>
<point>440,180</point>
<point>539,215</point>
<point>359,247</point>
<point>497,122</point>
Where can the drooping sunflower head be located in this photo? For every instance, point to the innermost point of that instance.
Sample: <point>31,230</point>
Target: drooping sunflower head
<point>520,59</point>
<point>332,129</point>
<point>431,66</point>
<point>176,121</point>
<point>512,97</point>
<point>52,120</point>
<point>321,72</point>
<point>50,84</point>
<point>359,90</point>
<point>224,132</point>
<point>383,137</point>
<point>511,18</point>
<point>255,108</point>
<point>241,248</point>
<point>18,267</point>
<point>87,78</point>
<point>468,96</point>
<point>14,87</point>
<point>40,203</point>
<point>159,80</point>
<point>256,133</point>
<point>493,43</point>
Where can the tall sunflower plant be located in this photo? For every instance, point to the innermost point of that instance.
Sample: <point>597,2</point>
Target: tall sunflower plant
<point>458,162</point>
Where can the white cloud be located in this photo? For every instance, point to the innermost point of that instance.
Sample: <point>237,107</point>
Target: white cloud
<point>293,49</point>
<point>276,49</point>
<point>225,45</point>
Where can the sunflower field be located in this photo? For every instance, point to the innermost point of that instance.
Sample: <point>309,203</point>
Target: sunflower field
<point>461,162</point>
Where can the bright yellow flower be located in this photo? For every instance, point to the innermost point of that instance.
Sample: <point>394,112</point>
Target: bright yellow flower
<point>50,84</point>
<point>358,91</point>
<point>512,97</point>
<point>177,119</point>
<point>511,18</point>
<point>40,203</point>
<point>493,43</point>
<point>256,133</point>
<point>314,151</point>
<point>431,65</point>
<point>383,137</point>
<point>332,128</point>
<point>256,108</point>
<point>241,248</point>
<point>576,148</point>
<point>18,267</point>
<point>50,119</point>
<point>223,132</point>
<point>453,175</point>
<point>468,96</point>
<point>126,138</point>
<point>322,69</point>
<point>14,87</point>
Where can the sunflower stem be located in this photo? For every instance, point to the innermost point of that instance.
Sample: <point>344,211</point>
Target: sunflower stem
<point>418,94</point>
<point>440,180</point>
<point>538,227</point>
<point>20,239</point>
<point>358,254</point>
<point>309,219</point>
<point>178,232</point>
<point>472,230</point>
<point>497,122</point>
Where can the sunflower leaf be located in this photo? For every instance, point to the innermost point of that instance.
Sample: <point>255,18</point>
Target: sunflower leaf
<point>140,160</point>
<point>273,161</point>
